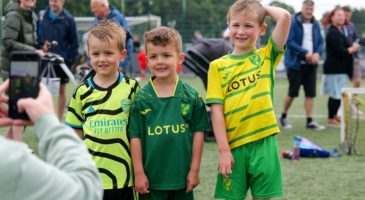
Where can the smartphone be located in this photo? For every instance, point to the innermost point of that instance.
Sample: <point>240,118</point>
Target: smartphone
<point>24,80</point>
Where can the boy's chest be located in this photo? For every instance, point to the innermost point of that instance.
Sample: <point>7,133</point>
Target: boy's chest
<point>167,112</point>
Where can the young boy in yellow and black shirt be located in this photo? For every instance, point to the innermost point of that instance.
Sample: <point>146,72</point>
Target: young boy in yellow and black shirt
<point>99,110</point>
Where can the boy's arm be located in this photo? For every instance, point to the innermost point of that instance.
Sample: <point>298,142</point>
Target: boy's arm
<point>141,181</point>
<point>193,176</point>
<point>79,133</point>
<point>281,29</point>
<point>225,158</point>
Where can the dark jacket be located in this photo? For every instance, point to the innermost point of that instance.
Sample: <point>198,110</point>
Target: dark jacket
<point>61,29</point>
<point>338,60</point>
<point>19,33</point>
<point>295,53</point>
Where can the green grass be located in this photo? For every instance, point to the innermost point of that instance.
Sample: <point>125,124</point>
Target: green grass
<point>311,178</point>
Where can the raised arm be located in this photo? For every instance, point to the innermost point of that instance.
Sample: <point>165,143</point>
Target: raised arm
<point>281,29</point>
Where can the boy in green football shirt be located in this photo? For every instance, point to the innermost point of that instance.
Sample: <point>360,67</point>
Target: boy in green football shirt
<point>166,127</point>
<point>99,110</point>
<point>240,93</point>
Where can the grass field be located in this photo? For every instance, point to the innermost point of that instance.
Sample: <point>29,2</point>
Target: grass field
<point>311,178</point>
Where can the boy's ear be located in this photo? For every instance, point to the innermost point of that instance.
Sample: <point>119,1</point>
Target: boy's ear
<point>263,29</point>
<point>181,58</point>
<point>122,55</point>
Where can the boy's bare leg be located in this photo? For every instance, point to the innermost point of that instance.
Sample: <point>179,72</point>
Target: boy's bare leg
<point>62,100</point>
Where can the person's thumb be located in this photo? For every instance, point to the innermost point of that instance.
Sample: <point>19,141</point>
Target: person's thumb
<point>23,104</point>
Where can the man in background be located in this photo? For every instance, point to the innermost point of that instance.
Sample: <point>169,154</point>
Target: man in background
<point>304,47</point>
<point>350,32</point>
<point>57,24</point>
<point>103,10</point>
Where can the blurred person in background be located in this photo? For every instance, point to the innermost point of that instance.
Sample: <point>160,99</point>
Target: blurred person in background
<point>57,24</point>
<point>19,31</point>
<point>304,47</point>
<point>338,65</point>
<point>19,34</point>
<point>350,33</point>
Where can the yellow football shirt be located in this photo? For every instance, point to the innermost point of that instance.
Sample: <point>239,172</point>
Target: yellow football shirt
<point>244,85</point>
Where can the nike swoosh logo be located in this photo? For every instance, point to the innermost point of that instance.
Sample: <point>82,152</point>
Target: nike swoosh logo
<point>145,111</point>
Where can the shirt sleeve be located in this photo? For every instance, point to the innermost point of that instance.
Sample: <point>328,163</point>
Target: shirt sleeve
<point>74,117</point>
<point>200,120</point>
<point>135,122</point>
<point>214,88</point>
<point>68,171</point>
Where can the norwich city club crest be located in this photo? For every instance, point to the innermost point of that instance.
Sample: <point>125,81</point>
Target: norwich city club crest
<point>256,60</point>
<point>126,105</point>
<point>185,109</point>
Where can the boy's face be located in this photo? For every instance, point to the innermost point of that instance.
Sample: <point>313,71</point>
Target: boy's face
<point>163,60</point>
<point>244,31</point>
<point>104,56</point>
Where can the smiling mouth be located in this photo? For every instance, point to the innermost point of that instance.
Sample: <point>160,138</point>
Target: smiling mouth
<point>103,66</point>
<point>161,69</point>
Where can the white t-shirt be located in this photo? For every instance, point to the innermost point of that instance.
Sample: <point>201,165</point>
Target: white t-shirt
<point>307,42</point>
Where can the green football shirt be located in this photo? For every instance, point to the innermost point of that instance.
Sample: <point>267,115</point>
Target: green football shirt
<point>102,114</point>
<point>166,126</point>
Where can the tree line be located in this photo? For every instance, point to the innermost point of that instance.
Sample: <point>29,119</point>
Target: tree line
<point>207,16</point>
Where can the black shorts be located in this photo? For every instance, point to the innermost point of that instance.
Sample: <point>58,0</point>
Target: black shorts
<point>306,76</point>
<point>119,194</point>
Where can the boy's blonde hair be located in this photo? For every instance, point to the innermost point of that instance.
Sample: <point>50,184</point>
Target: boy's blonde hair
<point>108,31</point>
<point>163,36</point>
<point>251,7</point>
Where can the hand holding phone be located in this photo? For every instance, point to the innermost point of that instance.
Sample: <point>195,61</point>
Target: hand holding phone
<point>24,80</point>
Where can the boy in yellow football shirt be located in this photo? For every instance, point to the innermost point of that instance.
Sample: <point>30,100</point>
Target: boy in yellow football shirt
<point>240,93</point>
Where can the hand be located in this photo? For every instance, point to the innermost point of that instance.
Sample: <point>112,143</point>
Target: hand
<point>39,106</point>
<point>141,183</point>
<point>225,163</point>
<point>308,58</point>
<point>5,120</point>
<point>40,52</point>
<point>192,180</point>
<point>356,46</point>
<point>315,58</point>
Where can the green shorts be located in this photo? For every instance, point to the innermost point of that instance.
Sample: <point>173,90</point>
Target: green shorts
<point>167,195</point>
<point>256,167</point>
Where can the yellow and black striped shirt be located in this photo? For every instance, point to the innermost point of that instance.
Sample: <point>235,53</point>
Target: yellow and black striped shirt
<point>102,114</point>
